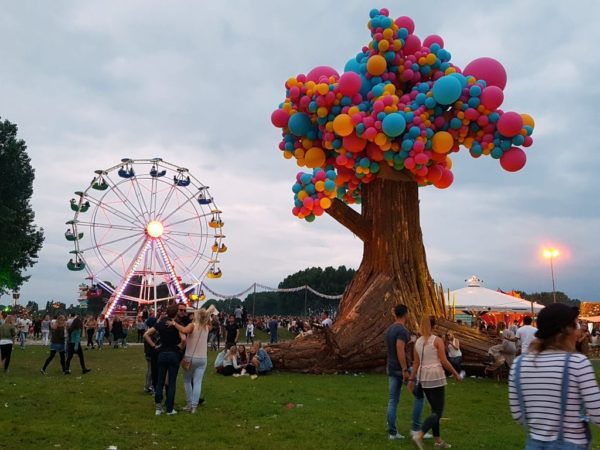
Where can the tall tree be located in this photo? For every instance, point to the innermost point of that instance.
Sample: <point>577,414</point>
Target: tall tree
<point>20,239</point>
<point>373,136</point>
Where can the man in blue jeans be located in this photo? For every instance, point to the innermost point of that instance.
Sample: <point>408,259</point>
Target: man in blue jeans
<point>169,357</point>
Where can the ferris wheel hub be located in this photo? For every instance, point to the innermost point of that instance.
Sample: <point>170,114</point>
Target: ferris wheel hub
<point>155,229</point>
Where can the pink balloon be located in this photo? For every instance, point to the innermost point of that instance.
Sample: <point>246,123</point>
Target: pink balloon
<point>510,124</point>
<point>321,71</point>
<point>487,69</point>
<point>405,22</point>
<point>412,44</point>
<point>492,97</point>
<point>433,39</point>
<point>280,118</point>
<point>513,160</point>
<point>350,84</point>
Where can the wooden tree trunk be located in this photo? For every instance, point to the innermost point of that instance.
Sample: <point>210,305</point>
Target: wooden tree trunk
<point>393,270</point>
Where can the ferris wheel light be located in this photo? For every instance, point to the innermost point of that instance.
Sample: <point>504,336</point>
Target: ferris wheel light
<point>155,229</point>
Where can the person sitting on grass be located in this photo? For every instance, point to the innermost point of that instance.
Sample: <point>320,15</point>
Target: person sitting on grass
<point>260,362</point>
<point>230,362</point>
<point>219,360</point>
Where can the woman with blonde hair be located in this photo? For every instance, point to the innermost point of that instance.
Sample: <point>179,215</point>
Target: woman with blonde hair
<point>57,343</point>
<point>8,332</point>
<point>429,361</point>
<point>194,362</point>
<point>551,385</point>
<point>230,364</point>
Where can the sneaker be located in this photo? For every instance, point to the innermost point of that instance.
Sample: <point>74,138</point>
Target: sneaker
<point>236,375</point>
<point>418,441</point>
<point>158,410</point>
<point>43,372</point>
<point>173,412</point>
<point>187,408</point>
<point>84,371</point>
<point>442,444</point>
<point>67,372</point>
<point>463,374</point>
<point>253,377</point>
<point>425,436</point>
<point>393,437</point>
<point>193,411</point>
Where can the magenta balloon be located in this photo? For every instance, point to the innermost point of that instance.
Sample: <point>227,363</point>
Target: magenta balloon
<point>492,97</point>
<point>510,124</point>
<point>350,84</point>
<point>513,160</point>
<point>487,69</point>
<point>433,39</point>
<point>280,118</point>
<point>321,71</point>
<point>412,44</point>
<point>405,22</point>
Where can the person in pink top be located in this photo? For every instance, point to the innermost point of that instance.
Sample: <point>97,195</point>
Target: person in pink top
<point>428,370</point>
<point>196,349</point>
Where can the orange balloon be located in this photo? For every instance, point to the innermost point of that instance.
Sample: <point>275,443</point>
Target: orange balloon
<point>528,120</point>
<point>325,203</point>
<point>343,125</point>
<point>442,142</point>
<point>314,157</point>
<point>376,65</point>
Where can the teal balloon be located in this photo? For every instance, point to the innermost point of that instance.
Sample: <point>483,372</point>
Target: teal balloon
<point>299,124</point>
<point>393,124</point>
<point>446,90</point>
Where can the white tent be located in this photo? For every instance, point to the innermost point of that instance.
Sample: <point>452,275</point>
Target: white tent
<point>475,297</point>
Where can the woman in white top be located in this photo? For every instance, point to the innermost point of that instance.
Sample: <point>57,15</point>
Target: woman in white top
<point>454,353</point>
<point>551,385</point>
<point>196,348</point>
<point>45,330</point>
<point>429,361</point>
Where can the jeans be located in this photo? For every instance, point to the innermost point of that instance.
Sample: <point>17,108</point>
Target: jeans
<point>534,444</point>
<point>45,334</point>
<point>435,397</point>
<point>168,362</point>
<point>5,352</point>
<point>149,385</point>
<point>192,381</point>
<point>395,384</point>
<point>417,408</point>
<point>100,336</point>
<point>70,354</point>
<point>22,338</point>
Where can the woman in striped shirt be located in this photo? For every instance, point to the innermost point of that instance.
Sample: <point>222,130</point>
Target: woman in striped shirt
<point>552,390</point>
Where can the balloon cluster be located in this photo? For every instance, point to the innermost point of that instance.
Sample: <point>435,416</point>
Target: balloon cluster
<point>400,102</point>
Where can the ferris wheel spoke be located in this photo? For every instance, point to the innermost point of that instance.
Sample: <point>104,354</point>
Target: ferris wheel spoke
<point>186,234</point>
<point>140,198</point>
<point>124,199</point>
<point>104,244</point>
<point>187,200</point>
<point>108,265</point>
<point>153,189</point>
<point>183,246</point>
<point>114,227</point>
<point>199,216</point>
<point>166,201</point>
<point>114,211</point>
<point>180,261</point>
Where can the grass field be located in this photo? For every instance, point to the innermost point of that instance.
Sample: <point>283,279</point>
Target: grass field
<point>108,407</point>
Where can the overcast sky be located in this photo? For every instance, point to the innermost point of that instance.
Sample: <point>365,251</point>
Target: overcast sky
<point>195,82</point>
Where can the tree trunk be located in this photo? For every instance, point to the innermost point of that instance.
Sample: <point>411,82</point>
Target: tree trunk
<point>393,270</point>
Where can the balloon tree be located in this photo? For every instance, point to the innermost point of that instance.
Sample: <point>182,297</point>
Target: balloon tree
<point>373,135</point>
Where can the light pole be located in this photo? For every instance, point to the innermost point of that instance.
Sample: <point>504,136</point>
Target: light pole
<point>551,253</point>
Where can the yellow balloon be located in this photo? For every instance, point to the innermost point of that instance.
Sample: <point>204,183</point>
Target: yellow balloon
<point>299,153</point>
<point>320,186</point>
<point>448,163</point>
<point>528,120</point>
<point>314,157</point>
<point>325,203</point>
<point>302,195</point>
<point>442,142</point>
<point>343,125</point>
<point>376,65</point>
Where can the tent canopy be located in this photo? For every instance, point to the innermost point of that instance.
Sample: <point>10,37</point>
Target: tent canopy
<point>474,297</point>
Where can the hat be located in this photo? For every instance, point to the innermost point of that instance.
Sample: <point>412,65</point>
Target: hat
<point>554,318</point>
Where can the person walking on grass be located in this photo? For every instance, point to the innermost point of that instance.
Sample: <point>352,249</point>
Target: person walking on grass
<point>57,343</point>
<point>196,353</point>
<point>169,357</point>
<point>46,330</point>
<point>397,338</point>
<point>90,328</point>
<point>8,333</point>
<point>74,346</point>
<point>428,371</point>
<point>552,389</point>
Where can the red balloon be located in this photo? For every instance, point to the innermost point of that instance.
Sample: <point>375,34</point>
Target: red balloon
<point>405,22</point>
<point>487,69</point>
<point>435,173</point>
<point>353,143</point>
<point>492,97</point>
<point>280,118</point>
<point>350,84</point>
<point>321,71</point>
<point>445,180</point>
<point>412,44</point>
<point>510,124</point>
<point>513,159</point>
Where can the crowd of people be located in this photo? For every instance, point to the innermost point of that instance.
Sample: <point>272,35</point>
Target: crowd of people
<point>553,391</point>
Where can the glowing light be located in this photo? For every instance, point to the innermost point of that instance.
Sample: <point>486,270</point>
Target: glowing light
<point>550,253</point>
<point>155,229</point>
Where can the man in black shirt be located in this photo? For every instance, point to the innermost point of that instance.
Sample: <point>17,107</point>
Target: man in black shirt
<point>231,330</point>
<point>183,318</point>
<point>396,339</point>
<point>169,357</point>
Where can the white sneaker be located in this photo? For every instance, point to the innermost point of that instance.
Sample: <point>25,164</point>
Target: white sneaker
<point>158,410</point>
<point>187,408</point>
<point>393,437</point>
<point>463,374</point>
<point>172,413</point>
<point>425,436</point>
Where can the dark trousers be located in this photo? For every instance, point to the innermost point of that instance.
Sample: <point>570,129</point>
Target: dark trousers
<point>230,370</point>
<point>154,368</point>
<point>140,338</point>
<point>51,357</point>
<point>90,337</point>
<point>435,397</point>
<point>5,352</point>
<point>456,362</point>
<point>168,362</point>
<point>72,351</point>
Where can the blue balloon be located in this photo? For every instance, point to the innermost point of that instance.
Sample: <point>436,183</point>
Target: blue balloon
<point>394,124</point>
<point>296,188</point>
<point>446,90</point>
<point>330,185</point>
<point>460,77</point>
<point>352,66</point>
<point>306,178</point>
<point>331,175</point>
<point>299,124</point>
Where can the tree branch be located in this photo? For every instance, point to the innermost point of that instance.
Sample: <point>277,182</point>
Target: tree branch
<point>387,173</point>
<point>349,218</point>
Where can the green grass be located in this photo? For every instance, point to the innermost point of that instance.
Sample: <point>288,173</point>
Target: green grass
<point>108,407</point>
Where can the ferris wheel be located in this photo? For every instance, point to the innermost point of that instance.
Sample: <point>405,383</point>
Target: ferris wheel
<point>149,224</point>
